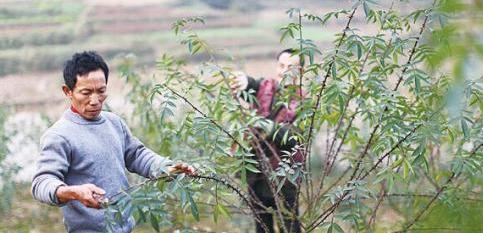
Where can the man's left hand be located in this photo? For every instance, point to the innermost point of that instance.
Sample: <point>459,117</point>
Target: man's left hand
<point>182,168</point>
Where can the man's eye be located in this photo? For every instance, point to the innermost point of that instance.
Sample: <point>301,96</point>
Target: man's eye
<point>85,93</point>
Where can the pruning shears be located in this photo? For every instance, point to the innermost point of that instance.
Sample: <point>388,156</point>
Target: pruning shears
<point>105,201</point>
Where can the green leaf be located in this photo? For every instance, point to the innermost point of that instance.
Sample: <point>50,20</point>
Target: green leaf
<point>190,46</point>
<point>215,213</point>
<point>359,51</point>
<point>341,103</point>
<point>334,70</point>
<point>223,210</point>
<point>196,48</point>
<point>161,184</point>
<point>252,168</point>
<point>397,163</point>
<point>154,222</point>
<point>464,127</point>
<point>417,84</point>
<point>366,8</point>
<point>281,184</point>
<point>407,168</point>
<point>244,175</point>
<point>419,150</point>
<point>419,156</point>
<point>183,197</point>
<point>194,208</point>
<point>141,215</point>
<point>334,228</point>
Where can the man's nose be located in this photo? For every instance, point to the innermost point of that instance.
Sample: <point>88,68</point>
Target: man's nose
<point>94,100</point>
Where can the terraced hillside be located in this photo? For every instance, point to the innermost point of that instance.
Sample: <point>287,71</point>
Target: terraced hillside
<point>39,36</point>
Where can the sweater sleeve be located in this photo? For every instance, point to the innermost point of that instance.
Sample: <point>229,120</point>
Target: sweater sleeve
<point>140,159</point>
<point>52,166</point>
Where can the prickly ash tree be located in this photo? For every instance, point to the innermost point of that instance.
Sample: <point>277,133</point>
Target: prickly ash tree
<point>395,114</point>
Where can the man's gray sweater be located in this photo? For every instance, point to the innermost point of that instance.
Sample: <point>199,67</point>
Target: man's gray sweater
<point>77,151</point>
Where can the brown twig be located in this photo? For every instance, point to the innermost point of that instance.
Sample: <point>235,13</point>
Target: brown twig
<point>420,213</point>
<point>438,193</point>
<point>331,209</point>
<point>324,82</point>
<point>413,50</point>
<point>380,199</point>
<point>267,169</point>
<point>425,196</point>
<point>112,200</point>
<point>379,161</point>
<point>373,132</point>
<point>205,116</point>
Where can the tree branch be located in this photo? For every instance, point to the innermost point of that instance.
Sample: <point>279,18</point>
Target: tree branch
<point>413,50</point>
<point>205,116</point>
<point>324,82</point>
<point>440,190</point>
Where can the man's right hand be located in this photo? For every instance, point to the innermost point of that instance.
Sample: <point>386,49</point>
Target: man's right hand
<point>87,194</point>
<point>238,82</point>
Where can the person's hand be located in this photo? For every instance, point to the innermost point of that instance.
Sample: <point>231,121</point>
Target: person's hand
<point>88,194</point>
<point>182,168</point>
<point>238,82</point>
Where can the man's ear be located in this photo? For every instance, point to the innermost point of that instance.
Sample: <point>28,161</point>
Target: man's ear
<point>67,91</point>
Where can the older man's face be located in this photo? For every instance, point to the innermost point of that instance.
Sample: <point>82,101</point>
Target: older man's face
<point>287,65</point>
<point>89,94</point>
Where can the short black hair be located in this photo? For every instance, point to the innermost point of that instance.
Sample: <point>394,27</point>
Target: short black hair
<point>291,52</point>
<point>81,64</point>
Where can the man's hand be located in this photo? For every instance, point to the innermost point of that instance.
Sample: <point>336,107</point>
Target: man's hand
<point>182,168</point>
<point>88,194</point>
<point>238,82</point>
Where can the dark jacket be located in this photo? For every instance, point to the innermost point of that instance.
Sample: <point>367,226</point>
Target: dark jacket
<point>271,106</point>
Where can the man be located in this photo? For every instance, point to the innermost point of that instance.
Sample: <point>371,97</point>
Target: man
<point>84,154</point>
<point>277,100</point>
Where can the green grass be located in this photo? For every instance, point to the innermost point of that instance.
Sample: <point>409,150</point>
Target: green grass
<point>28,215</point>
<point>38,38</point>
